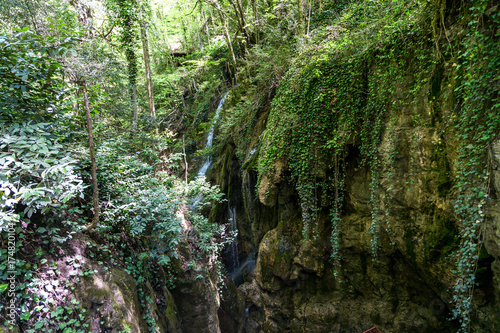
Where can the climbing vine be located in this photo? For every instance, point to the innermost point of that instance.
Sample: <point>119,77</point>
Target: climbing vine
<point>477,123</point>
<point>331,100</point>
<point>127,11</point>
<point>319,120</point>
<point>124,13</point>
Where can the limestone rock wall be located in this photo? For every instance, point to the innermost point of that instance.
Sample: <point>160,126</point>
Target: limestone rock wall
<point>407,287</point>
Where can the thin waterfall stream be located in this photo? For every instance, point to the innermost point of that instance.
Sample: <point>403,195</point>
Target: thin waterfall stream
<point>210,138</point>
<point>232,251</point>
<point>208,144</point>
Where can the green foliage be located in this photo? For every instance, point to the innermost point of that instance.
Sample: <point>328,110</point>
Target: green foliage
<point>125,14</point>
<point>40,297</point>
<point>35,171</point>
<point>147,204</point>
<point>60,318</point>
<point>334,92</point>
<point>262,72</point>
<point>36,16</point>
<point>147,211</point>
<point>150,209</point>
<point>29,86</point>
<point>477,123</point>
<point>336,95</point>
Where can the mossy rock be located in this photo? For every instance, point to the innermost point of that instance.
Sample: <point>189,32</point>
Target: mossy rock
<point>442,240</point>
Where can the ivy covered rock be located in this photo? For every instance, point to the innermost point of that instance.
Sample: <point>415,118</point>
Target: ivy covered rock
<point>385,172</point>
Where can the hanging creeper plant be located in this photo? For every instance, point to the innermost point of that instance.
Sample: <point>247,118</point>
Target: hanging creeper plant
<point>124,13</point>
<point>477,124</point>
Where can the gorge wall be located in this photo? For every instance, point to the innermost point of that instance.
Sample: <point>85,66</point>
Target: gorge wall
<point>404,194</point>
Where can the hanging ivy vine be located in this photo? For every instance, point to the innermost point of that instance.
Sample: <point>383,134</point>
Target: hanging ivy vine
<point>345,95</point>
<point>125,15</point>
<point>320,109</point>
<point>332,99</point>
<point>477,122</point>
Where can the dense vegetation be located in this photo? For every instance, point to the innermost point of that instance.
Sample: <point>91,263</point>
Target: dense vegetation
<point>98,139</point>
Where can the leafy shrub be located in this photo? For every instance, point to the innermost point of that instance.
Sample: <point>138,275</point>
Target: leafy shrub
<point>36,171</point>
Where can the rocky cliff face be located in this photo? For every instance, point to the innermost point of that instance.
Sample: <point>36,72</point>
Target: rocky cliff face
<point>407,286</point>
<point>288,281</point>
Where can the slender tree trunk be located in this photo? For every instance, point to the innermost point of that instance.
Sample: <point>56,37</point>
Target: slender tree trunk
<point>33,19</point>
<point>256,14</point>
<point>207,21</point>
<point>133,99</point>
<point>93,171</point>
<point>236,11</point>
<point>240,17</point>
<point>244,29</point>
<point>228,40</point>
<point>243,21</point>
<point>309,17</point>
<point>301,16</point>
<point>185,159</point>
<point>77,105</point>
<point>199,40</point>
<point>147,64</point>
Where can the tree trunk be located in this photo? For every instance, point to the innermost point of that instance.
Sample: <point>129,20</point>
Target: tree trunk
<point>301,16</point>
<point>243,21</point>
<point>240,18</point>
<point>133,98</point>
<point>128,41</point>
<point>256,14</point>
<point>93,171</point>
<point>228,40</point>
<point>147,64</point>
<point>309,17</point>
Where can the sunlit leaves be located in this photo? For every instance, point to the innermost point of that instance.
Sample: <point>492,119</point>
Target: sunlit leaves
<point>29,89</point>
<point>35,169</point>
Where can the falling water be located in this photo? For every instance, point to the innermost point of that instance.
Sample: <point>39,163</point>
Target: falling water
<point>233,250</point>
<point>254,150</point>
<point>240,274</point>
<point>210,138</point>
<point>208,160</point>
<point>235,262</point>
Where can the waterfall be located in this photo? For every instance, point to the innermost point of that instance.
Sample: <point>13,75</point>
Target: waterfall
<point>235,262</point>
<point>210,138</point>
<point>232,251</point>
<point>254,150</point>
<point>241,273</point>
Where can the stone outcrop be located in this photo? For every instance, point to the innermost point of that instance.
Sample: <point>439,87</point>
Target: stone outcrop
<point>107,298</point>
